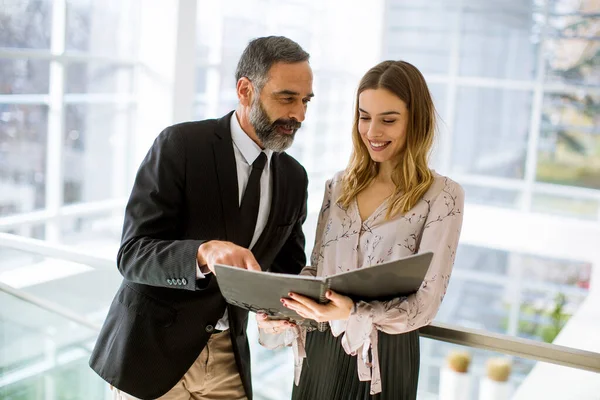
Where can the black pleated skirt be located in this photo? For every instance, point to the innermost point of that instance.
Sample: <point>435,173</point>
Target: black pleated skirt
<point>328,373</point>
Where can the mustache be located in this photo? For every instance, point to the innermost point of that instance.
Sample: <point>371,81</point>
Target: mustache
<point>288,123</point>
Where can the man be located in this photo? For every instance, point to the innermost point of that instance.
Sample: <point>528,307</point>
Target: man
<point>207,192</point>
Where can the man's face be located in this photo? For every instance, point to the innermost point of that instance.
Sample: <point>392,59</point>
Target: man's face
<point>277,113</point>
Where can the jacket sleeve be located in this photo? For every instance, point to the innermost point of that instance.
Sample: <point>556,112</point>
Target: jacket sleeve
<point>150,251</point>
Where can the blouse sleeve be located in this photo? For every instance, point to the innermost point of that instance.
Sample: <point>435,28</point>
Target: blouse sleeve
<point>316,257</point>
<point>440,235</point>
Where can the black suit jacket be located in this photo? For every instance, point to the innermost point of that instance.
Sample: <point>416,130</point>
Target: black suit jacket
<point>186,193</point>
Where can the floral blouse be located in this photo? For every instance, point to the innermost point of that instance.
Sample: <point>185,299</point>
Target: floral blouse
<point>343,242</point>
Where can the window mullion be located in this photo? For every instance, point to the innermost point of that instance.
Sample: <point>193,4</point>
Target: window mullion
<point>56,118</point>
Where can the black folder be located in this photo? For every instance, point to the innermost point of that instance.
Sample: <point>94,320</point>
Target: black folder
<point>262,291</point>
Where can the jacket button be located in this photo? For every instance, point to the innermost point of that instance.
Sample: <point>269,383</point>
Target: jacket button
<point>179,281</point>
<point>209,328</point>
<point>184,281</point>
<point>170,282</point>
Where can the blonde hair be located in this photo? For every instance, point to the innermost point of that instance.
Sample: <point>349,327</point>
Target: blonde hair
<point>412,175</point>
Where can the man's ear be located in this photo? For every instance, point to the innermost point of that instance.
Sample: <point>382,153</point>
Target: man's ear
<point>245,91</point>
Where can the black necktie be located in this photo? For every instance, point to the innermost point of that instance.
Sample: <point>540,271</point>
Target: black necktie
<point>250,201</point>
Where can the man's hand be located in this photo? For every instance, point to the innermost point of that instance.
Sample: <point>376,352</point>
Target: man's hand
<point>272,326</point>
<point>227,253</point>
<point>339,307</point>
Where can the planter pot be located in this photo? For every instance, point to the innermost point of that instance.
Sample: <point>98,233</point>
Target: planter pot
<point>454,385</point>
<point>493,390</point>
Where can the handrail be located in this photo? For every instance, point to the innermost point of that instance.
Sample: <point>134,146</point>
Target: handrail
<point>47,249</point>
<point>525,348</point>
<point>49,306</point>
<point>71,210</point>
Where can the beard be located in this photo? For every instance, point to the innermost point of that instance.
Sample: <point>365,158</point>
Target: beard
<point>266,130</point>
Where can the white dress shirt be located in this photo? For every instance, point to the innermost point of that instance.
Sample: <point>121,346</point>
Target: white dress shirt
<point>246,151</point>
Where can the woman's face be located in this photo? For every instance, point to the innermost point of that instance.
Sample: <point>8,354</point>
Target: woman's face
<point>382,122</point>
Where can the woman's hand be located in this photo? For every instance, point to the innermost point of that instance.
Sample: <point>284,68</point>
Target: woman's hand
<point>338,308</point>
<point>272,326</point>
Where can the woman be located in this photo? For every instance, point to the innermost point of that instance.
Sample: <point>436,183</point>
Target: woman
<point>386,205</point>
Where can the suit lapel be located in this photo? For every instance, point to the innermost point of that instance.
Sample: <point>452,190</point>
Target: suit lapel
<point>227,177</point>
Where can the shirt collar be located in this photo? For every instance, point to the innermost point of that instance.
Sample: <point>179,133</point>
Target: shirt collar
<point>247,147</point>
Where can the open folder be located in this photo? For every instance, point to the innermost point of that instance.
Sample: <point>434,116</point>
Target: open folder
<point>262,291</point>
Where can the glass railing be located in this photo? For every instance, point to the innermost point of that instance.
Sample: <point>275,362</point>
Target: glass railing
<point>53,300</point>
<point>77,281</point>
<point>49,323</point>
<point>43,354</point>
<point>532,369</point>
<point>273,370</point>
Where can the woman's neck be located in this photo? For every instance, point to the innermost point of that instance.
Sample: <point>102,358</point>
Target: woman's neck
<point>384,174</point>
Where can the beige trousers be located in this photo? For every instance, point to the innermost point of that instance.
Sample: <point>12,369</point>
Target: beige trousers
<point>213,376</point>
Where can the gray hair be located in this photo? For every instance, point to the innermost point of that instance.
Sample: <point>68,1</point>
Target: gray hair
<point>260,55</point>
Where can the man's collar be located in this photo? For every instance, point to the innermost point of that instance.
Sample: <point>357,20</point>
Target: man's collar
<point>249,149</point>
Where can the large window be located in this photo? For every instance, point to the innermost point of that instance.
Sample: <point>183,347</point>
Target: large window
<point>522,104</point>
<point>67,112</point>
<point>66,109</point>
<point>86,85</point>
